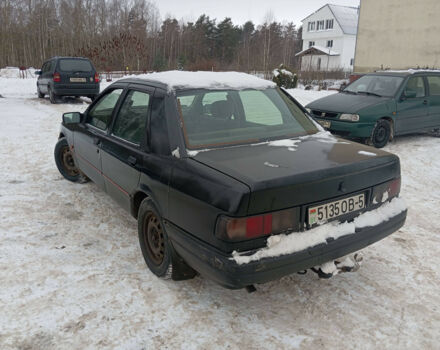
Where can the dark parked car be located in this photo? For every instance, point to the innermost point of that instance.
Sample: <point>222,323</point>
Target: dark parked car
<point>378,106</point>
<point>215,165</point>
<point>67,76</point>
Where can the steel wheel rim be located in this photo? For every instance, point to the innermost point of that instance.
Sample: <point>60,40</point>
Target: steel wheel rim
<point>68,162</point>
<point>380,135</point>
<point>154,238</point>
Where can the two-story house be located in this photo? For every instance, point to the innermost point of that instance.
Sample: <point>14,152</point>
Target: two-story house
<point>329,38</point>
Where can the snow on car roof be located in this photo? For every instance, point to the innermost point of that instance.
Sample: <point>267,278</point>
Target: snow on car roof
<point>178,80</point>
<point>409,71</point>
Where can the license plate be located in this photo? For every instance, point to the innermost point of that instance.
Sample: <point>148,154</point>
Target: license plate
<point>327,211</point>
<point>77,80</point>
<point>325,123</point>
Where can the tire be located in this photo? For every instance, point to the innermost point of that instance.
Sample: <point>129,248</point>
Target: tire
<point>65,163</point>
<point>52,96</point>
<point>381,133</point>
<point>155,245</point>
<point>40,94</point>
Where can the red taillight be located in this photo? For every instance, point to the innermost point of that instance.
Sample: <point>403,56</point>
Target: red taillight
<point>394,188</point>
<point>56,77</point>
<point>237,229</point>
<point>96,78</point>
<point>386,191</point>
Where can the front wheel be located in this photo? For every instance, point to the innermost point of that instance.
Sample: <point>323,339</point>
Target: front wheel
<point>381,133</point>
<point>65,163</point>
<point>40,94</point>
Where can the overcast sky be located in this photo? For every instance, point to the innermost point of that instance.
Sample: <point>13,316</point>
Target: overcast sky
<point>243,10</point>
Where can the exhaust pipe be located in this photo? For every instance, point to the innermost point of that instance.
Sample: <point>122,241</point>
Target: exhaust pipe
<point>334,267</point>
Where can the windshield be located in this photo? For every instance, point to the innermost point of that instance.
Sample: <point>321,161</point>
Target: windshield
<point>228,117</point>
<point>381,85</point>
<point>75,65</point>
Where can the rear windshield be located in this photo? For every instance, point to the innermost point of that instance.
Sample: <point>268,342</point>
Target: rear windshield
<point>75,65</point>
<point>228,117</point>
<point>381,85</point>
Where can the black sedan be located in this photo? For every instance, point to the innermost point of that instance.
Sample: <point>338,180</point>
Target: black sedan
<point>229,177</point>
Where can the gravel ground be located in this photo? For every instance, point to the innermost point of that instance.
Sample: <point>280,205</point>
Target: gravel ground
<point>73,277</point>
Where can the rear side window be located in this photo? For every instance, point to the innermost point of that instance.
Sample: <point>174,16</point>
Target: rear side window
<point>132,117</point>
<point>101,113</point>
<point>75,65</point>
<point>434,85</point>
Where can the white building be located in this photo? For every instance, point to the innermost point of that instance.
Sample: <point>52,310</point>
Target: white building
<point>329,38</point>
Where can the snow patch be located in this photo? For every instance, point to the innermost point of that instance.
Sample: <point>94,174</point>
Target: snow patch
<point>208,80</point>
<point>284,244</point>
<point>365,153</point>
<point>289,143</point>
<point>270,165</point>
<point>176,153</point>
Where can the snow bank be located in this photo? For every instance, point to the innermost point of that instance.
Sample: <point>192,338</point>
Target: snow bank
<point>208,80</point>
<point>297,241</point>
<point>14,72</point>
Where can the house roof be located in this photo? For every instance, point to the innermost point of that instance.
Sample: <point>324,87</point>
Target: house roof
<point>346,16</point>
<point>317,50</point>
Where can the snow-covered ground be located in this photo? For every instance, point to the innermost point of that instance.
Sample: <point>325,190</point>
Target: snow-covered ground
<point>72,275</point>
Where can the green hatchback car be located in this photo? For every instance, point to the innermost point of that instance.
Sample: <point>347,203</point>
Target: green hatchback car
<point>381,105</point>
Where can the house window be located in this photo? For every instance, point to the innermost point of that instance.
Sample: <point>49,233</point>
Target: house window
<point>320,25</point>
<point>351,61</point>
<point>311,43</point>
<point>329,43</point>
<point>311,26</point>
<point>329,24</point>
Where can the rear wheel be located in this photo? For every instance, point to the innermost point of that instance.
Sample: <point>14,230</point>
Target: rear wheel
<point>155,246</point>
<point>52,96</point>
<point>381,133</point>
<point>65,163</point>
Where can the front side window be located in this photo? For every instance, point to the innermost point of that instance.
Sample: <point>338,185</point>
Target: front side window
<point>415,86</point>
<point>375,84</point>
<point>101,113</point>
<point>230,117</point>
<point>132,117</point>
<point>434,85</point>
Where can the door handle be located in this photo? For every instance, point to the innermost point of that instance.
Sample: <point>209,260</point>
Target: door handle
<point>96,141</point>
<point>132,160</point>
<point>425,102</point>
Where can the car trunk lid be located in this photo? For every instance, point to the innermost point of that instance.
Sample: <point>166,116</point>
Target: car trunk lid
<point>314,169</point>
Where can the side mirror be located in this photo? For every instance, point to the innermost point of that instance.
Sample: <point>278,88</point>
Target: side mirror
<point>409,94</point>
<point>72,118</point>
<point>38,72</point>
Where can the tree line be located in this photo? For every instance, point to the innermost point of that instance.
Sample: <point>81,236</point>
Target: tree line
<point>129,35</point>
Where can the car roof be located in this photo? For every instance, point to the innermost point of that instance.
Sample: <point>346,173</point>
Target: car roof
<point>184,80</point>
<point>405,73</point>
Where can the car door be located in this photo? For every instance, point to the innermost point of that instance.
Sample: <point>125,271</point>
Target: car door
<point>44,77</point>
<point>122,150</point>
<point>88,140</point>
<point>412,107</point>
<point>434,100</point>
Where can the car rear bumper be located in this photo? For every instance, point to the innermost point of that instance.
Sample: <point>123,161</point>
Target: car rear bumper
<point>218,266</point>
<point>72,90</point>
<point>349,129</point>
